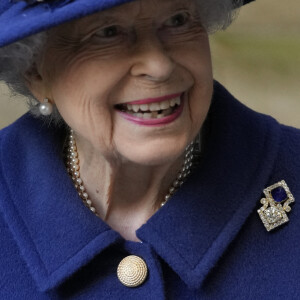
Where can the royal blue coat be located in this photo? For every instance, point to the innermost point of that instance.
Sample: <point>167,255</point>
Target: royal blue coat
<point>207,242</point>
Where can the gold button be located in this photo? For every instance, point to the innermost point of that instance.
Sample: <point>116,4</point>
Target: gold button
<point>132,271</point>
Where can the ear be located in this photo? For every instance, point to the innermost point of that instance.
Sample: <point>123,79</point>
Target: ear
<point>36,83</point>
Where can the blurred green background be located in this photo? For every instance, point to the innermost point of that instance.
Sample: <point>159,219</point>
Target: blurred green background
<point>257,59</point>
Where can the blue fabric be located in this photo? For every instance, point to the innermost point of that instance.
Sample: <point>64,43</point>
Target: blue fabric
<point>207,242</point>
<point>21,19</point>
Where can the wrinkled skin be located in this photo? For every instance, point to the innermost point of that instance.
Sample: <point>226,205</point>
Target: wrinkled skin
<point>143,49</point>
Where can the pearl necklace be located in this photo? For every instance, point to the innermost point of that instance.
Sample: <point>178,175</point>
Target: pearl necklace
<point>72,164</point>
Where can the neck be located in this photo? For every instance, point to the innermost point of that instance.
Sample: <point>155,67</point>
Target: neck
<point>124,194</point>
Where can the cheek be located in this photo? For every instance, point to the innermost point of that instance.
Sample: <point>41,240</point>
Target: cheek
<point>84,105</point>
<point>194,56</point>
<point>197,62</point>
<point>84,91</point>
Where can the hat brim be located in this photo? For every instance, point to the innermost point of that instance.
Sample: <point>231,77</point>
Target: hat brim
<point>19,20</point>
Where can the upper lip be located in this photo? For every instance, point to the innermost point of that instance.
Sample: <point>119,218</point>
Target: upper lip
<point>153,100</point>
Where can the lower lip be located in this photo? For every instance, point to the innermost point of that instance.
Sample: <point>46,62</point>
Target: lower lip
<point>155,122</point>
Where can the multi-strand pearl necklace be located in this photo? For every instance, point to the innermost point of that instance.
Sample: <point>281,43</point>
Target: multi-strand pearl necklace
<point>73,168</point>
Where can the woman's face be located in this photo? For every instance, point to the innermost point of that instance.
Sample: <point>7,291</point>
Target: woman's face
<point>115,77</point>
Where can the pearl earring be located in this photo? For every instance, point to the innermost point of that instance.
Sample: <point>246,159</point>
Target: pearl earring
<point>46,107</point>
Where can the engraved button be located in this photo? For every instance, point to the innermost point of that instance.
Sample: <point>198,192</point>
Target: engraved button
<point>132,271</point>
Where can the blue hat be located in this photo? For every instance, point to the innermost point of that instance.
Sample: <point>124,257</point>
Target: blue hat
<point>21,18</point>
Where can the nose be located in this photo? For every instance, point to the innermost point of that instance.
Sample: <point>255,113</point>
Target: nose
<point>152,61</point>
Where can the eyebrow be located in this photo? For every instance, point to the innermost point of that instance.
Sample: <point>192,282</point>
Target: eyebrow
<point>114,15</point>
<point>106,17</point>
<point>111,16</point>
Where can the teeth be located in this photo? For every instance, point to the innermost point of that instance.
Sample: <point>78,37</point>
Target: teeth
<point>147,115</point>
<point>172,102</point>
<point>154,114</point>
<point>135,108</point>
<point>138,115</point>
<point>153,107</point>
<point>144,107</point>
<point>165,104</point>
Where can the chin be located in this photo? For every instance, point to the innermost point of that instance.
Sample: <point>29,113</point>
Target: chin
<point>157,154</point>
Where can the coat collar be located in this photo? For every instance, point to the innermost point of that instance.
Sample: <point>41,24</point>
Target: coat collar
<point>57,234</point>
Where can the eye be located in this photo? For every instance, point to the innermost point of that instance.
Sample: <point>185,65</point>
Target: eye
<point>178,20</point>
<point>109,32</point>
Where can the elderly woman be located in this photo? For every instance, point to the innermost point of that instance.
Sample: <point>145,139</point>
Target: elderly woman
<point>135,175</point>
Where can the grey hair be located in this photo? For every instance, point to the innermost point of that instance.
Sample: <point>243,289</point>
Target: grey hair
<point>19,58</point>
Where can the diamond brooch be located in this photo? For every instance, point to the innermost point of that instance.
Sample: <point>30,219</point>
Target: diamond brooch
<point>275,207</point>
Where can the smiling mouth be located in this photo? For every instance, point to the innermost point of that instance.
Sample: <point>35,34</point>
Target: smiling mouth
<point>155,110</point>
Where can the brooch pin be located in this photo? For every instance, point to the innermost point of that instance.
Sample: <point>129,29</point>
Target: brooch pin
<point>275,207</point>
